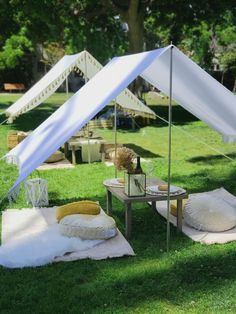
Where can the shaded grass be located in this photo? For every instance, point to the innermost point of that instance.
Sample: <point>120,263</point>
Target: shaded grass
<point>191,278</point>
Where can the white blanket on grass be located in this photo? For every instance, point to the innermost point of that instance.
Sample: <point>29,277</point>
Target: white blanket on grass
<point>31,237</point>
<point>41,248</point>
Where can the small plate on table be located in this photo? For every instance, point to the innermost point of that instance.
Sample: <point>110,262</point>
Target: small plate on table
<point>114,182</point>
<point>154,189</point>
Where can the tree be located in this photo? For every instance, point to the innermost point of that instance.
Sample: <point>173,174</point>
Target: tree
<point>228,62</point>
<point>15,48</point>
<point>97,26</point>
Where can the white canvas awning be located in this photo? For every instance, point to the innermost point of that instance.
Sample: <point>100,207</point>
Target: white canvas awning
<point>192,88</point>
<point>48,84</point>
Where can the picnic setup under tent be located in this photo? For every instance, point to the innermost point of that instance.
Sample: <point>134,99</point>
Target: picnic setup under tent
<point>167,69</point>
<point>191,87</point>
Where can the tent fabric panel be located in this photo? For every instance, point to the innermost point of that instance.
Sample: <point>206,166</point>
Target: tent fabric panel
<point>196,91</point>
<point>89,65</point>
<point>45,86</point>
<point>79,110</point>
<point>126,100</point>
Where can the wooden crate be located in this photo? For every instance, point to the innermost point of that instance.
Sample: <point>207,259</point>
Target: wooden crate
<point>12,140</point>
<point>21,136</point>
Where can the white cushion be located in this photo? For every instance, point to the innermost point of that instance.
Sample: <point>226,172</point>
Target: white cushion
<point>221,193</point>
<point>226,196</point>
<point>208,213</point>
<point>90,227</point>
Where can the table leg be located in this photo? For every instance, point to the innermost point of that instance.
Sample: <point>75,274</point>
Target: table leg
<point>73,155</point>
<point>128,218</point>
<point>179,214</point>
<point>102,151</point>
<point>66,149</point>
<point>154,207</point>
<point>109,203</point>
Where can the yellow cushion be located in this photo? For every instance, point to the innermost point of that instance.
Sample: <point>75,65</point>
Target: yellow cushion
<point>81,207</point>
<point>173,206</point>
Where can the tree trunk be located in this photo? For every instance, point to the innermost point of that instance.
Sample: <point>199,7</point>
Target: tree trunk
<point>134,17</point>
<point>135,20</point>
<point>234,88</point>
<point>222,77</point>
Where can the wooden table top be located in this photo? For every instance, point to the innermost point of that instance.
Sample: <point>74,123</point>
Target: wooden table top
<point>120,193</point>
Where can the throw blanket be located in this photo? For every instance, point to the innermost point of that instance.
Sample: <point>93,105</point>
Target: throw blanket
<point>41,248</point>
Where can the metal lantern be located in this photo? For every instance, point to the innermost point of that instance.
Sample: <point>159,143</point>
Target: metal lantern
<point>37,192</point>
<point>135,184</point>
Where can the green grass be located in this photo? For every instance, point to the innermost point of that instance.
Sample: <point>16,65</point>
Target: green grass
<point>191,278</point>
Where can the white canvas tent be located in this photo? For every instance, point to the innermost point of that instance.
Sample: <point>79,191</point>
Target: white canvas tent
<point>48,84</point>
<point>192,88</point>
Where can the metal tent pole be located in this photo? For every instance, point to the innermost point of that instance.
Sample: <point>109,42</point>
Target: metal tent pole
<point>86,79</point>
<point>115,129</point>
<point>67,88</point>
<point>169,150</point>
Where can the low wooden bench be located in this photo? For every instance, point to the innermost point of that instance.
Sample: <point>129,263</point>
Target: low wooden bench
<point>14,86</point>
<point>102,124</point>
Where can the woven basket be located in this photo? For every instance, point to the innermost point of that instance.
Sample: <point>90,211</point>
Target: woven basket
<point>12,140</point>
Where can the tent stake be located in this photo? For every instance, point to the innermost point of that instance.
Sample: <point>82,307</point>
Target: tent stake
<point>169,152</point>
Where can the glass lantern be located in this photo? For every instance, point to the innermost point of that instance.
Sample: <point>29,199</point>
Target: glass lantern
<point>135,184</point>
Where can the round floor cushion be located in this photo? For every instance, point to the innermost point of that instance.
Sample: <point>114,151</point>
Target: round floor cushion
<point>88,226</point>
<point>57,156</point>
<point>209,213</point>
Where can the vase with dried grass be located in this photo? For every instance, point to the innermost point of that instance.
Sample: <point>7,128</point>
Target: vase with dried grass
<point>135,179</point>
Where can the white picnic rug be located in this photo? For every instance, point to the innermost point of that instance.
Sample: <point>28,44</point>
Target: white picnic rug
<point>198,236</point>
<point>30,237</point>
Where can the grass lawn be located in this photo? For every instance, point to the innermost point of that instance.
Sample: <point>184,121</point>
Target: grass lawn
<point>191,278</point>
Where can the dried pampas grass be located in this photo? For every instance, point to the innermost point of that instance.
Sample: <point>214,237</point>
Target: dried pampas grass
<point>124,159</point>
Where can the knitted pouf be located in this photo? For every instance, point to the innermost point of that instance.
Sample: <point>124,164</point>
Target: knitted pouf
<point>88,226</point>
<point>209,213</point>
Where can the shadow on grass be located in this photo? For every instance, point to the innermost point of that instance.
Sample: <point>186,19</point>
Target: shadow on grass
<point>210,159</point>
<point>142,151</point>
<point>32,119</point>
<point>180,116</point>
<point>5,105</point>
<point>207,180</point>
